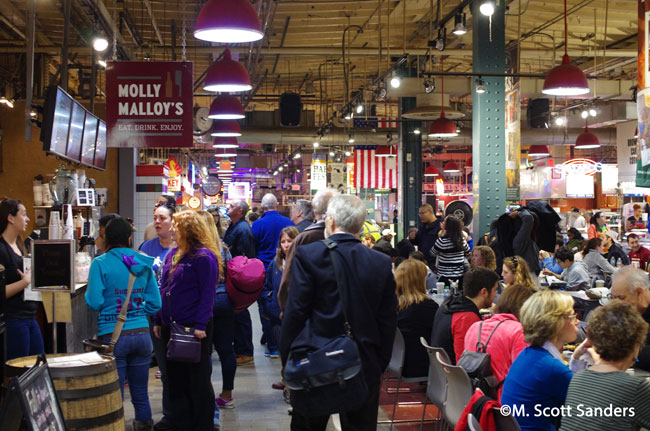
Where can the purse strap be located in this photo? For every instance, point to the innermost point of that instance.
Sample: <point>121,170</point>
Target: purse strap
<point>480,347</point>
<point>331,245</point>
<point>121,318</point>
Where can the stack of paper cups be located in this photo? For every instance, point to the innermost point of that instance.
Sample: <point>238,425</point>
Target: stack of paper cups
<point>55,225</point>
<point>38,193</point>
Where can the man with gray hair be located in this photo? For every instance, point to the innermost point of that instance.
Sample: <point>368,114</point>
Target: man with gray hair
<point>631,285</point>
<point>302,214</point>
<point>267,228</point>
<point>313,233</point>
<point>371,310</point>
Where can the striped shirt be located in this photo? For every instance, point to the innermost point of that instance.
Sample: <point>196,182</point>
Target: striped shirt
<point>451,258</point>
<point>606,402</point>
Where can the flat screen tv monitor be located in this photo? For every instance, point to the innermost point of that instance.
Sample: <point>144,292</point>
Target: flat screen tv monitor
<point>73,151</point>
<point>88,140</point>
<point>56,121</point>
<point>100,147</point>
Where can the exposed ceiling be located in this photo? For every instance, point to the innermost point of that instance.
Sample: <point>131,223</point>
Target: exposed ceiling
<point>304,41</point>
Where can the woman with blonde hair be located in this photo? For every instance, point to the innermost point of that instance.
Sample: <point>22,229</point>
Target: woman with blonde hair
<point>483,255</point>
<point>416,312</point>
<point>515,271</point>
<point>190,276</point>
<point>538,378</point>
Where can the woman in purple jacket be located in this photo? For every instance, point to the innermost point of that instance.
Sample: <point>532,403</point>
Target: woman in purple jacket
<point>188,288</point>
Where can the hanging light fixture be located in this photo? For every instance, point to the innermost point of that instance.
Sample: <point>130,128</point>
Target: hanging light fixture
<point>451,167</point>
<point>636,132</point>
<point>565,79</point>
<point>226,128</point>
<point>100,43</point>
<point>227,75</point>
<point>538,151</point>
<point>480,86</point>
<point>221,142</point>
<point>442,127</point>
<point>225,153</point>
<point>431,172</point>
<point>228,21</point>
<point>460,24</point>
<point>226,107</point>
<point>587,140</point>
<point>469,163</point>
<point>487,8</point>
<point>384,151</point>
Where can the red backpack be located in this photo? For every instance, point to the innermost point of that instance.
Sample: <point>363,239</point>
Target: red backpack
<point>244,281</point>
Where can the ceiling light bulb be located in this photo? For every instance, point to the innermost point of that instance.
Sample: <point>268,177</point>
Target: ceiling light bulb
<point>559,121</point>
<point>286,165</point>
<point>332,153</point>
<point>348,154</point>
<point>593,112</point>
<point>351,140</point>
<point>100,43</point>
<point>584,114</point>
<point>487,8</point>
<point>359,108</point>
<point>395,82</point>
<point>459,24</point>
<point>417,131</point>
<point>348,116</point>
<point>280,169</point>
<point>316,144</point>
<point>297,156</point>
<point>480,86</point>
<point>10,103</point>
<point>102,63</point>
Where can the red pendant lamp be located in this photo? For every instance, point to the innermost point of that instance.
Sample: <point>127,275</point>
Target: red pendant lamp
<point>227,75</point>
<point>228,21</point>
<point>565,79</point>
<point>431,171</point>
<point>587,140</point>
<point>451,167</point>
<point>226,107</point>
<point>226,129</point>
<point>221,142</point>
<point>442,127</point>
<point>384,151</point>
<point>225,153</point>
<point>538,151</point>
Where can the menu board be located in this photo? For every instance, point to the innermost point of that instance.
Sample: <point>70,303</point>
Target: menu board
<point>88,140</point>
<point>61,123</point>
<point>53,265</point>
<point>33,397</point>
<point>100,147</point>
<point>73,150</point>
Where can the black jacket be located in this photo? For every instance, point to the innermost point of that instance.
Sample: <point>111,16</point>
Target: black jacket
<point>414,322</point>
<point>405,248</point>
<point>456,313</point>
<point>617,252</point>
<point>643,359</point>
<point>372,304</point>
<point>425,239</point>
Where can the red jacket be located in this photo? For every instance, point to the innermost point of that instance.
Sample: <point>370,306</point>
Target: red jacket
<point>505,344</point>
<point>642,256</point>
<point>480,407</point>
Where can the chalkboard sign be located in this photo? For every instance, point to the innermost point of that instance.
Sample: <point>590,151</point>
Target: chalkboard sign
<point>53,265</point>
<point>31,399</point>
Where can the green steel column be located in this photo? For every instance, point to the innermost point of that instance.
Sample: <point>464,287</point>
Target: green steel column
<point>410,169</point>
<point>488,118</point>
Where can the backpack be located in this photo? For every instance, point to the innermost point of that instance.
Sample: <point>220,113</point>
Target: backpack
<point>244,281</point>
<point>478,366</point>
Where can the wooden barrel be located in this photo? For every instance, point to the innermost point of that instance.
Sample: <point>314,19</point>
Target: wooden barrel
<point>89,395</point>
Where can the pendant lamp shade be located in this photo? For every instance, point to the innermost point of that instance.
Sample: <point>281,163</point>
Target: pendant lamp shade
<point>228,21</point>
<point>468,163</point>
<point>225,143</point>
<point>451,167</point>
<point>431,172</point>
<point>565,80</point>
<point>384,151</point>
<point>442,127</point>
<point>587,140</point>
<point>227,75</point>
<point>538,150</point>
<point>225,153</point>
<point>226,129</point>
<point>226,107</point>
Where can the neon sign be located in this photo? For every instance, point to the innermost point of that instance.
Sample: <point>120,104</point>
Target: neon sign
<point>580,167</point>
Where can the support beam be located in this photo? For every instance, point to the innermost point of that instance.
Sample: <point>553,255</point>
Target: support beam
<point>18,19</point>
<point>64,49</point>
<point>409,197</point>
<point>147,4</point>
<point>488,118</point>
<point>29,73</point>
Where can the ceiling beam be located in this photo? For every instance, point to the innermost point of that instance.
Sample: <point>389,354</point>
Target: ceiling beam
<point>154,23</point>
<point>18,19</point>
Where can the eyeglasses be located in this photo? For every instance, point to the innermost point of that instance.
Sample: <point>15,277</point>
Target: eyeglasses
<point>571,317</point>
<point>423,212</point>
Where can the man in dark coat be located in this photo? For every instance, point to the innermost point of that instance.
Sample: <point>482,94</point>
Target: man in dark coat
<point>371,306</point>
<point>428,233</point>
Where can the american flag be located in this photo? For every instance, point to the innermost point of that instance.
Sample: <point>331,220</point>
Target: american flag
<point>375,123</point>
<point>372,172</point>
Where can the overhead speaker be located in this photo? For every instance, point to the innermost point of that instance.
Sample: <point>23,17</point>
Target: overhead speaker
<point>267,148</point>
<point>538,113</point>
<point>290,110</point>
<point>461,210</point>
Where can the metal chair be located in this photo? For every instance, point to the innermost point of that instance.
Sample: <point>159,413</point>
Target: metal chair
<point>395,369</point>
<point>505,423</point>
<point>459,391</point>
<point>437,382</point>
<point>473,423</point>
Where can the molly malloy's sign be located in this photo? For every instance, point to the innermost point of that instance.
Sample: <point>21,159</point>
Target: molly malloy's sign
<point>149,103</point>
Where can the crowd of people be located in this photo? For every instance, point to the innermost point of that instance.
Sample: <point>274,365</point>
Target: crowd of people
<point>496,304</point>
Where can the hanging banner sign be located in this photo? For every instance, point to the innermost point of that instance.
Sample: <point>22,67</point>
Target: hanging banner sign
<point>174,184</point>
<point>318,172</point>
<point>172,168</point>
<point>643,142</point>
<point>149,103</point>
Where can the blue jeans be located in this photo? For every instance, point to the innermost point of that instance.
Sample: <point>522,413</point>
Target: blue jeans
<point>23,338</point>
<point>133,356</point>
<point>243,334</point>
<point>159,348</point>
<point>222,339</point>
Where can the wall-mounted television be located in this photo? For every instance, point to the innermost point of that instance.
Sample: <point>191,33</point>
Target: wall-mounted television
<point>71,132</point>
<point>88,140</point>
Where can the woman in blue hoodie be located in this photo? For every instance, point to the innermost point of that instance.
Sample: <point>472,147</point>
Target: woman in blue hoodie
<point>189,282</point>
<point>107,287</point>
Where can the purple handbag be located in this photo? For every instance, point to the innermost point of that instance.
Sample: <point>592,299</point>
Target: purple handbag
<point>183,346</point>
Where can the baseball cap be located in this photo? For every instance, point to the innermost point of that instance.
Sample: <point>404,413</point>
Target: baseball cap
<point>387,232</point>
